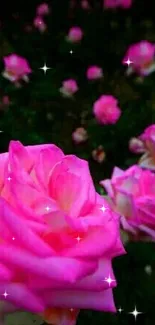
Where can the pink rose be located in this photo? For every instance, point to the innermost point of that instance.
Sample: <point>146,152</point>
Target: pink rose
<point>69,87</point>
<point>148,140</point>
<point>43,9</point>
<point>125,4</point>
<point>94,72</point>
<point>58,236</point>
<point>75,34</point>
<point>142,57</point>
<point>106,110</point>
<point>85,5</point>
<point>79,135</point>
<point>39,24</point>
<point>16,68</point>
<point>136,145</point>
<point>99,154</point>
<point>132,194</point>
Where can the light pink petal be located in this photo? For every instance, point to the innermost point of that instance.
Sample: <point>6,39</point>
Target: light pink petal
<point>102,301</point>
<point>117,172</point>
<point>22,233</point>
<point>107,185</point>
<point>29,200</point>
<point>96,243</point>
<point>47,159</point>
<point>126,226</point>
<point>19,156</point>
<point>51,268</point>
<point>73,172</point>
<point>21,296</point>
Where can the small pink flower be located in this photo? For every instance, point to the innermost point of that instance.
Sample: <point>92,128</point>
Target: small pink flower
<point>75,34</point>
<point>99,154</point>
<point>85,5</point>
<point>94,72</point>
<point>39,24</point>
<point>43,9</point>
<point>6,100</point>
<point>106,110</point>
<point>79,135</point>
<point>125,4</point>
<point>136,145</point>
<point>16,68</point>
<point>69,87</point>
<point>65,235</point>
<point>142,57</point>
<point>132,194</point>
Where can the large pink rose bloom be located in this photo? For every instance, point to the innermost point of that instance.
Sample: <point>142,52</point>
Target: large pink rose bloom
<point>56,243</point>
<point>106,110</point>
<point>16,68</point>
<point>125,4</point>
<point>132,194</point>
<point>142,57</point>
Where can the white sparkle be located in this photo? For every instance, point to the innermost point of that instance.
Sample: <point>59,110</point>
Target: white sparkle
<point>5,294</point>
<point>103,208</point>
<point>128,62</point>
<point>45,68</point>
<point>1,131</point>
<point>135,313</point>
<point>9,178</point>
<point>13,238</point>
<point>71,52</point>
<point>120,310</point>
<point>109,280</point>
<point>78,238</point>
<point>47,208</point>
<point>71,309</point>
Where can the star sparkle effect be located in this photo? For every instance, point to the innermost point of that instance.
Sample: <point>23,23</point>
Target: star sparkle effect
<point>103,208</point>
<point>128,62</point>
<point>135,313</point>
<point>109,280</point>
<point>78,239</point>
<point>5,294</point>
<point>120,310</point>
<point>47,209</point>
<point>9,178</point>
<point>71,52</point>
<point>45,68</point>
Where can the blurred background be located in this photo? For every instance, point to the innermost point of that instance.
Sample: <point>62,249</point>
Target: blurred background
<point>36,112</point>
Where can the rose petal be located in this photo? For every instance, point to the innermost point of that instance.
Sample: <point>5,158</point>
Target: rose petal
<point>51,268</point>
<point>21,296</point>
<point>102,300</point>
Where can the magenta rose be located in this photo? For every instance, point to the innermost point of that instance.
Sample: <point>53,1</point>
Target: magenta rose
<point>57,235</point>
<point>75,34</point>
<point>142,57</point>
<point>16,68</point>
<point>132,194</point>
<point>106,110</point>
